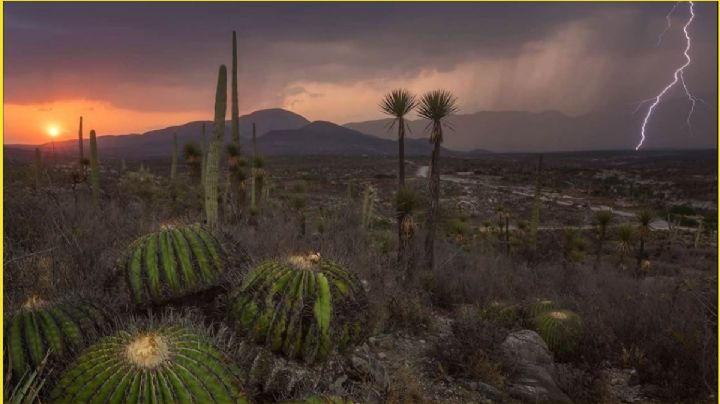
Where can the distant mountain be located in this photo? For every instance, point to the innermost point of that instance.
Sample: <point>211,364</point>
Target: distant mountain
<point>612,128</point>
<point>158,143</point>
<point>327,138</point>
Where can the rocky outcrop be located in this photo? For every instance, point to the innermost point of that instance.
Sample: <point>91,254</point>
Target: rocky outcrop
<point>532,369</point>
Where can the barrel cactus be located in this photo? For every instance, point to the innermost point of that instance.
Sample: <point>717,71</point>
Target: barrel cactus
<point>40,327</point>
<point>164,364</point>
<point>302,306</point>
<point>560,329</point>
<point>172,263</point>
<point>539,307</point>
<point>499,313</point>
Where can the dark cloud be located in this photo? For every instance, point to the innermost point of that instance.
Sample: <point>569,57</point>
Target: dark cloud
<point>164,56</point>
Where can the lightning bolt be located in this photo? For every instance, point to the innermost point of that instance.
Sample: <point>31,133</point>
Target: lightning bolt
<point>678,76</point>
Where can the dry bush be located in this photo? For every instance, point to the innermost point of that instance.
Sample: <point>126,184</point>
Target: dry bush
<point>404,387</point>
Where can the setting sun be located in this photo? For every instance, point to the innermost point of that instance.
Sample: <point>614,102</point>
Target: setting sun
<point>53,131</point>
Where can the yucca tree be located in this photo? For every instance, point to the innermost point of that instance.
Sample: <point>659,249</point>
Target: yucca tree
<point>398,103</point>
<point>436,106</point>
<point>602,221</point>
<point>644,217</point>
<point>624,239</point>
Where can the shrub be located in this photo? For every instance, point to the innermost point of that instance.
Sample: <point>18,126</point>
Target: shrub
<point>172,263</point>
<point>301,306</point>
<point>160,364</point>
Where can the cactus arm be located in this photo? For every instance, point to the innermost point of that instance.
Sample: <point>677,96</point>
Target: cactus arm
<point>94,168</point>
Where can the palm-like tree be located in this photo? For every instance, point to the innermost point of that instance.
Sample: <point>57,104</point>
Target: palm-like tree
<point>398,103</point>
<point>624,238</point>
<point>644,217</point>
<point>602,221</point>
<point>436,106</point>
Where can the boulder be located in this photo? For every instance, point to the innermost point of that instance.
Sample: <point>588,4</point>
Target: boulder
<point>532,369</point>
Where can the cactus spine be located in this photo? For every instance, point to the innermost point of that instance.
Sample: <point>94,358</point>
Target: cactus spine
<point>168,364</point>
<point>80,146</point>
<point>535,215</point>
<point>212,173</point>
<point>94,168</point>
<point>173,165</point>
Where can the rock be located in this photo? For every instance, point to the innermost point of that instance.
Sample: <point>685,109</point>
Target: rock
<point>368,368</point>
<point>533,376</point>
<point>382,355</point>
<point>488,391</point>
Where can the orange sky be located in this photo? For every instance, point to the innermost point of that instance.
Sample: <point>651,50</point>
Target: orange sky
<point>30,123</point>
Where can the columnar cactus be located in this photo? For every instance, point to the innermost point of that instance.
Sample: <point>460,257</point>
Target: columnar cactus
<point>172,263</point>
<point>41,326</point>
<point>173,165</point>
<point>234,112</point>
<point>38,167</point>
<point>81,147</point>
<point>367,206</point>
<point>204,155</point>
<point>212,169</point>
<point>535,215</point>
<point>302,306</point>
<point>253,201</point>
<point>94,168</point>
<point>559,328</point>
<point>169,364</point>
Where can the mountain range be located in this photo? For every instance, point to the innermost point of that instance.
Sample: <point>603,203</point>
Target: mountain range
<point>281,132</point>
<point>615,127</point>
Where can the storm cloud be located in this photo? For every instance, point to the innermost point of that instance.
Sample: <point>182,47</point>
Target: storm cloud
<point>332,61</point>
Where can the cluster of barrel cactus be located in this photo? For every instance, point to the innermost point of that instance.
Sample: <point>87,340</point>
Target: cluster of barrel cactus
<point>172,263</point>
<point>302,306</point>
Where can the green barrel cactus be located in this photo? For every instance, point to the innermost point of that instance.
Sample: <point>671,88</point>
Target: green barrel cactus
<point>560,329</point>
<point>172,263</point>
<point>499,313</point>
<point>167,364</point>
<point>40,327</point>
<point>539,307</point>
<point>302,306</point>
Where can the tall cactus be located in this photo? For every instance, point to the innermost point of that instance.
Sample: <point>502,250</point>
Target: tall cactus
<point>234,108</point>
<point>212,173</point>
<point>253,206</point>
<point>535,215</point>
<point>80,146</point>
<point>173,165</point>
<point>94,169</point>
<point>38,167</point>
<point>203,160</point>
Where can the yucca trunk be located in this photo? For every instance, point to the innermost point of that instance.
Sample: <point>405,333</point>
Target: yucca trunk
<point>173,165</point>
<point>212,173</point>
<point>94,168</point>
<point>401,152</point>
<point>434,186</point>
<point>81,148</point>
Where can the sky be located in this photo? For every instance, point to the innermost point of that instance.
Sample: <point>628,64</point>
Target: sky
<point>133,67</point>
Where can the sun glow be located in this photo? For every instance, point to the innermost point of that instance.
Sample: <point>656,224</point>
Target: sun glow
<point>53,131</point>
